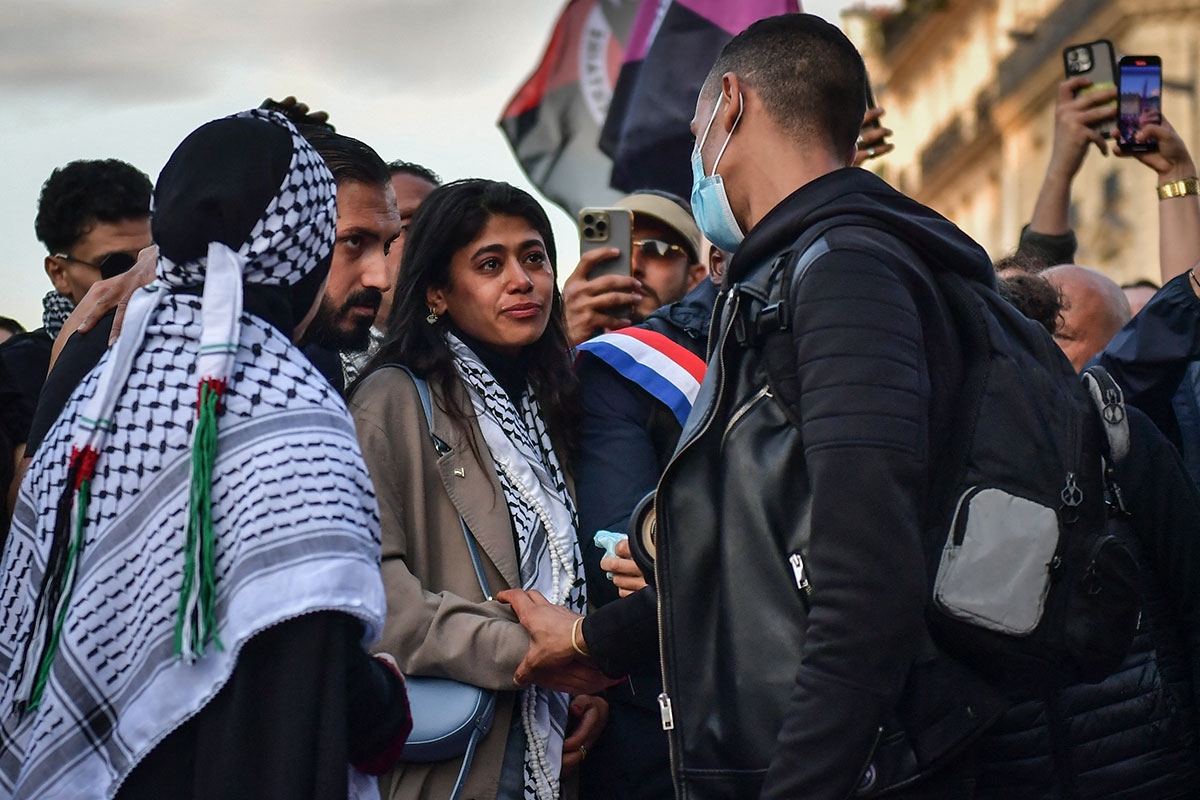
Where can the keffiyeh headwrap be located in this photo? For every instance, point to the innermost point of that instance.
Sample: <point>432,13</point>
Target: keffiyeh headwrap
<point>203,483</point>
<point>544,519</point>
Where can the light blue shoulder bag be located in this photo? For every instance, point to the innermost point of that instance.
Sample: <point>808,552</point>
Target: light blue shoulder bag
<point>450,718</point>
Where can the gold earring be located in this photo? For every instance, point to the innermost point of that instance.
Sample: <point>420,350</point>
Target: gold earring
<point>433,317</point>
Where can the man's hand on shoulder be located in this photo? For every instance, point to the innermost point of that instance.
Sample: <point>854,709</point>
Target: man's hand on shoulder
<point>105,295</point>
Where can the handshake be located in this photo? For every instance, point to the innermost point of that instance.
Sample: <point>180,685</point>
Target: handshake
<point>558,655</point>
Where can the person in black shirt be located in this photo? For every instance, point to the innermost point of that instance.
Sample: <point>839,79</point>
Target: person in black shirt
<point>94,218</point>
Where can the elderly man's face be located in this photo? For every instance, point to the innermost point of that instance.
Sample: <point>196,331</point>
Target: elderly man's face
<point>1093,310</point>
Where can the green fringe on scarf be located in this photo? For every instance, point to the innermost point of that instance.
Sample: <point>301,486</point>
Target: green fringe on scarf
<point>196,623</point>
<point>85,463</point>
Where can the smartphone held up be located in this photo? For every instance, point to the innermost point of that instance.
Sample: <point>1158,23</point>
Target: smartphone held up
<point>604,228</point>
<point>1138,80</point>
<point>1094,61</point>
<point>1140,101</point>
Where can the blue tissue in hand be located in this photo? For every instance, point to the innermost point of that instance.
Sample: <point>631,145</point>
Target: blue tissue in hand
<point>607,541</point>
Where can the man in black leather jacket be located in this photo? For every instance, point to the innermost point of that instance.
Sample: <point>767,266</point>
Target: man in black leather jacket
<point>792,552</point>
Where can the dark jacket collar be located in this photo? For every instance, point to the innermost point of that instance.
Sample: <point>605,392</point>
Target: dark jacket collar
<point>854,191</point>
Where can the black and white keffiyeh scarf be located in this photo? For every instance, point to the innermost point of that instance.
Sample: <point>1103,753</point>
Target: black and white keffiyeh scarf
<point>56,308</point>
<point>287,517</point>
<point>544,519</point>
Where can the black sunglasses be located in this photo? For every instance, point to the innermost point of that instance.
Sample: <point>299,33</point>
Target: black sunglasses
<point>109,264</point>
<point>657,248</point>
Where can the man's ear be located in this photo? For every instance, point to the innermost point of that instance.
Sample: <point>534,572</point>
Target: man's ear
<point>696,273</point>
<point>716,263</point>
<point>731,91</point>
<point>56,271</point>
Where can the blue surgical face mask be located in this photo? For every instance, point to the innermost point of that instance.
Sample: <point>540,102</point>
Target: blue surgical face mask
<point>710,204</point>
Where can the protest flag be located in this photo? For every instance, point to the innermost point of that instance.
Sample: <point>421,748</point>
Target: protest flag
<point>553,122</point>
<point>671,47</point>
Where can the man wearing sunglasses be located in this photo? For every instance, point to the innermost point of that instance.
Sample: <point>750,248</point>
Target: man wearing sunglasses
<point>93,217</point>
<point>665,260</point>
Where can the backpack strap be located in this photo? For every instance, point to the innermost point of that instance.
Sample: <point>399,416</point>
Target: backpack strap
<point>1110,403</point>
<point>1109,400</point>
<point>767,327</point>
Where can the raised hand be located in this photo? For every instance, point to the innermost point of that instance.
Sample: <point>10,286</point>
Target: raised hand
<point>871,139</point>
<point>1075,112</point>
<point>590,302</point>
<point>1172,160</point>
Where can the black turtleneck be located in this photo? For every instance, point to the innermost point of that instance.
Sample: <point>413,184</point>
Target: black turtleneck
<point>511,372</point>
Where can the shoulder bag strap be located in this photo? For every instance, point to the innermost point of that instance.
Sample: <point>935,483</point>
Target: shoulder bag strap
<point>483,720</point>
<point>427,405</point>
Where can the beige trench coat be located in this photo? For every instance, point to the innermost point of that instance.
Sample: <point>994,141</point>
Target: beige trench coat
<point>438,622</point>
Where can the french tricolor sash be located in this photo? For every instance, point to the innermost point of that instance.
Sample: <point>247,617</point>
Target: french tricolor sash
<point>668,371</point>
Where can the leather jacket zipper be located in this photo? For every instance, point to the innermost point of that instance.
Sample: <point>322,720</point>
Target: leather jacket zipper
<point>664,700</point>
<point>745,409</point>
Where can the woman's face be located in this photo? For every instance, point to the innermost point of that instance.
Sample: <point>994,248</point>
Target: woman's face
<point>501,286</point>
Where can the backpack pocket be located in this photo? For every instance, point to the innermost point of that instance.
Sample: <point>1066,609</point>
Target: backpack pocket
<point>1103,608</point>
<point>996,565</point>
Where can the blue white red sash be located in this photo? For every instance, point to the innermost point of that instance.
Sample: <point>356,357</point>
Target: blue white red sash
<point>668,371</point>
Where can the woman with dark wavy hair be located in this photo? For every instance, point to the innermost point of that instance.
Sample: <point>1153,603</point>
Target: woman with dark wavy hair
<point>478,316</point>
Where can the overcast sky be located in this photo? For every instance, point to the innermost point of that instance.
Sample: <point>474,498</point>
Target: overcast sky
<point>422,80</point>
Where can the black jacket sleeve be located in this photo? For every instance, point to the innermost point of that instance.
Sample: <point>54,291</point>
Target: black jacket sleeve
<point>864,407</point>
<point>1164,508</point>
<point>623,635</point>
<point>79,356</point>
<point>1149,356</point>
<point>303,701</point>
<point>1049,248</point>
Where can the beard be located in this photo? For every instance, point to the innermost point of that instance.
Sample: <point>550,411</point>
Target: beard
<point>335,329</point>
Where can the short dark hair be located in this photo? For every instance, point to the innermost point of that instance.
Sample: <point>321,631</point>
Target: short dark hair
<point>82,193</point>
<point>11,325</point>
<point>399,167</point>
<point>347,158</point>
<point>811,79</point>
<point>1021,261</point>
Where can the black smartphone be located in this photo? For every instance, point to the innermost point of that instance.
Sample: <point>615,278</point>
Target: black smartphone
<point>1139,79</point>
<point>1095,62</point>
<point>871,104</point>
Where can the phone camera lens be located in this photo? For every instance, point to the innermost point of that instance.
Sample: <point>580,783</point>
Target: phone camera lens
<point>588,219</point>
<point>601,226</point>
<point>589,232</point>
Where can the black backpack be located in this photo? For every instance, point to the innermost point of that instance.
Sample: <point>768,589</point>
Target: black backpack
<point>1028,587</point>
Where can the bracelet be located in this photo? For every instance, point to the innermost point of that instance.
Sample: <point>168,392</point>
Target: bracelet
<point>574,630</point>
<point>1179,188</point>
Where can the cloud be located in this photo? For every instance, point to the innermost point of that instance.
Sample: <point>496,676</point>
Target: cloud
<point>120,54</point>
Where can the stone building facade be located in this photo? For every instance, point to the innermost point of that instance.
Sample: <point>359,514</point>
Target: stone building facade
<point>969,87</point>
